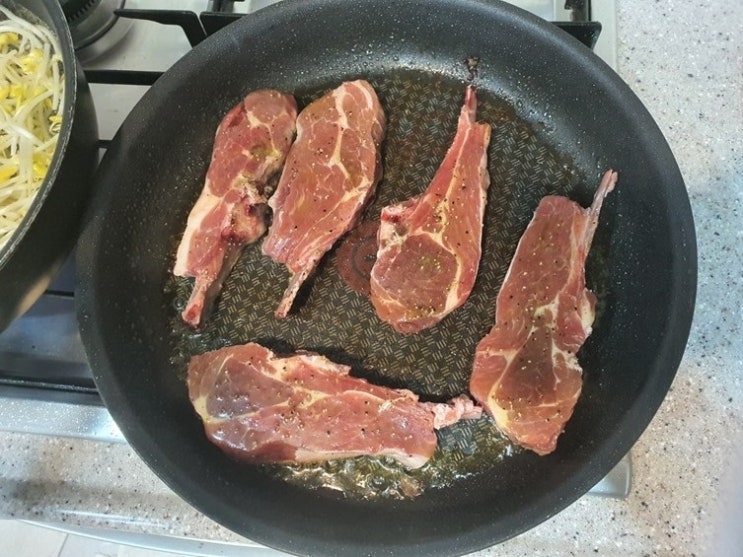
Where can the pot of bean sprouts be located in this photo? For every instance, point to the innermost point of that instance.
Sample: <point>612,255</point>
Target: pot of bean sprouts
<point>48,153</point>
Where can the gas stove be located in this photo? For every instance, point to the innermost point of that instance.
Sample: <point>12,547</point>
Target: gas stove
<point>46,386</point>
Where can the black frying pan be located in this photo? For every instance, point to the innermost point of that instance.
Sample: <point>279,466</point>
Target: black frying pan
<point>560,117</point>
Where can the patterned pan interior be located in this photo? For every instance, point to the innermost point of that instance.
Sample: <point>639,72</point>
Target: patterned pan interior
<point>421,115</point>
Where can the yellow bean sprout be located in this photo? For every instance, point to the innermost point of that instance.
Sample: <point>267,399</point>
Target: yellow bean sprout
<point>31,101</point>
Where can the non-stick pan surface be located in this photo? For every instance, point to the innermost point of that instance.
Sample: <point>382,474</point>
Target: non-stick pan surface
<point>559,116</point>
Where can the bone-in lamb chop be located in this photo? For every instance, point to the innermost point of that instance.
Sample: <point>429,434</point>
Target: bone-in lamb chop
<point>250,145</point>
<point>526,374</point>
<point>260,407</point>
<point>430,246</point>
<point>330,173</point>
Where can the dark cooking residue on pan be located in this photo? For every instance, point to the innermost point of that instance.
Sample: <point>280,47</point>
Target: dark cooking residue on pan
<point>332,319</point>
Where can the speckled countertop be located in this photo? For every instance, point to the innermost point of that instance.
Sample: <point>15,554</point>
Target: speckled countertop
<point>684,59</point>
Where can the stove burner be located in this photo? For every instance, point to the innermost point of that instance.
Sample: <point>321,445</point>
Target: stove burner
<point>94,25</point>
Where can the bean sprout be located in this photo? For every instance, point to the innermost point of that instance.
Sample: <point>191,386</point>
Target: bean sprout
<point>31,101</point>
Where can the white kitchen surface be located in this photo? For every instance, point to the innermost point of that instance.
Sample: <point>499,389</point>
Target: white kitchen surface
<point>20,539</point>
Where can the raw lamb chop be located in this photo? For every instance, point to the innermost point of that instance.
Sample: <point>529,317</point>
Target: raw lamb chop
<point>526,374</point>
<point>260,407</point>
<point>330,173</point>
<point>250,145</point>
<point>430,246</point>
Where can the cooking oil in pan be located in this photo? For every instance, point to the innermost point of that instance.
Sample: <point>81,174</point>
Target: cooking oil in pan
<point>464,450</point>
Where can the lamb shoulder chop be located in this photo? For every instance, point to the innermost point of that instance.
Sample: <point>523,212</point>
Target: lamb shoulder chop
<point>250,146</point>
<point>261,407</point>
<point>526,373</point>
<point>430,246</point>
<point>330,174</point>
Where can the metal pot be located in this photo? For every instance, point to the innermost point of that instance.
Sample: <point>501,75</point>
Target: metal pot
<point>47,234</point>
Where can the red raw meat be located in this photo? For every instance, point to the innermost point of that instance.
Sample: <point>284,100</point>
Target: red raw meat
<point>331,172</point>
<point>430,246</point>
<point>526,374</point>
<point>260,407</point>
<point>250,145</point>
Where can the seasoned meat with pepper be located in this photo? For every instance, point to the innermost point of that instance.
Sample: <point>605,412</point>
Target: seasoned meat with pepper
<point>331,172</point>
<point>261,407</point>
<point>526,374</point>
<point>430,246</point>
<point>250,146</point>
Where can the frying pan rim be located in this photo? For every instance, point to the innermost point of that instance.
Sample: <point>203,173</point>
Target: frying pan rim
<point>606,454</point>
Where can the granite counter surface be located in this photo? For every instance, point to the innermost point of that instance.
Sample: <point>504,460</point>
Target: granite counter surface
<point>684,60</point>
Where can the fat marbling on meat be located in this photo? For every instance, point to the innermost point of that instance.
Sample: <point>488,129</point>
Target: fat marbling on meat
<point>430,246</point>
<point>261,407</point>
<point>250,145</point>
<point>331,172</point>
<point>526,373</point>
